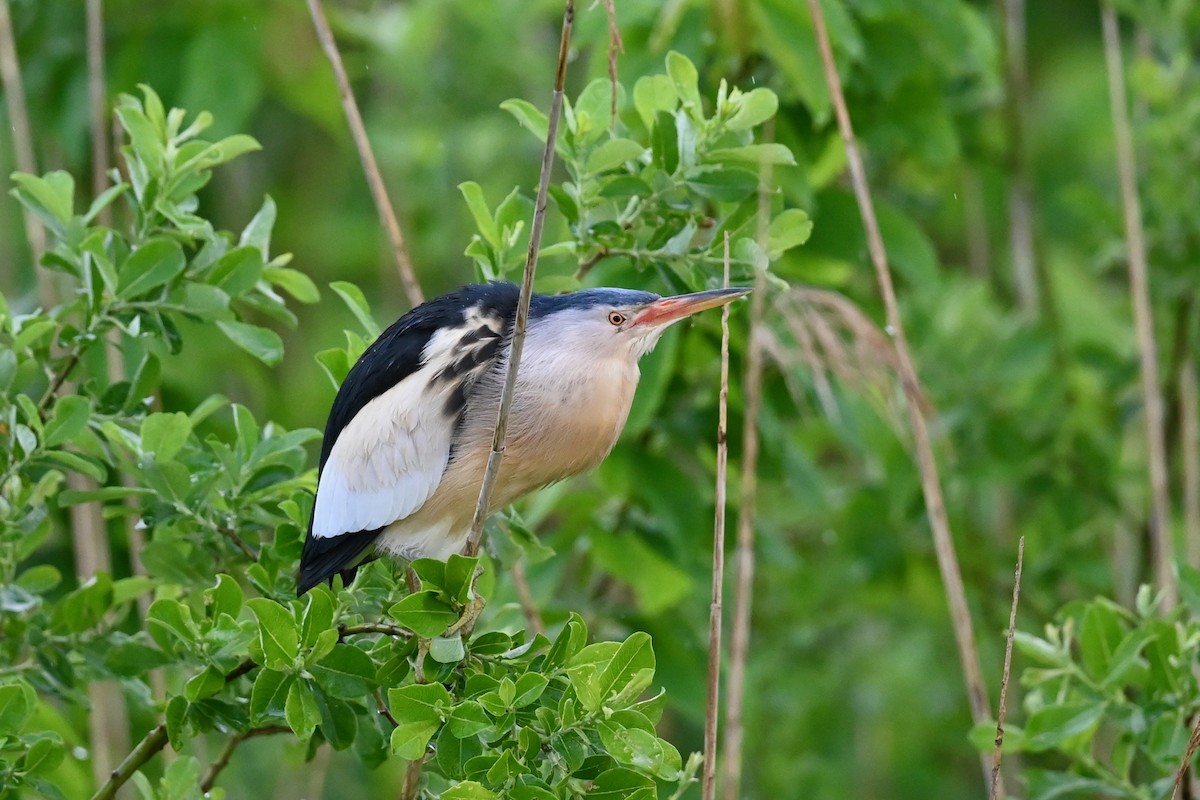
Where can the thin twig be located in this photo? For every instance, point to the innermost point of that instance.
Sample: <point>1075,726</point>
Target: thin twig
<point>615,45</point>
<point>374,627</point>
<point>525,597</point>
<point>387,215</point>
<point>222,760</point>
<point>238,542</point>
<point>744,596</point>
<point>18,118</point>
<point>713,706</point>
<point>1020,193</point>
<point>97,103</point>
<point>150,744</point>
<point>930,481</point>
<point>1139,289</point>
<point>1008,648</point>
<point>522,320</point>
<point>1189,432</point>
<point>1193,745</point>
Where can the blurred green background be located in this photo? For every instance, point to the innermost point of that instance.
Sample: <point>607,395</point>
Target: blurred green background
<point>855,688</point>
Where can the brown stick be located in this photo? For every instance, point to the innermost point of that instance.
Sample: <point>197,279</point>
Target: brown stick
<point>1008,648</point>
<point>18,115</point>
<point>713,706</point>
<point>935,505</point>
<point>1139,289</point>
<point>97,103</point>
<point>387,215</point>
<point>615,45</point>
<point>222,760</point>
<point>1020,195</point>
<point>1189,433</point>
<point>525,597</point>
<point>1193,745</point>
<point>522,320</point>
<point>744,591</point>
<point>153,741</point>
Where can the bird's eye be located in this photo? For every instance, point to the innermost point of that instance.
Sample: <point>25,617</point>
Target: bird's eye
<point>616,317</point>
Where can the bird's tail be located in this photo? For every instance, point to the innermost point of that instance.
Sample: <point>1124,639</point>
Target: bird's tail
<point>326,556</point>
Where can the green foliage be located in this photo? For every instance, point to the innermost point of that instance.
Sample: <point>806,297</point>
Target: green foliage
<point>657,184</point>
<point>224,500</point>
<point>1111,694</point>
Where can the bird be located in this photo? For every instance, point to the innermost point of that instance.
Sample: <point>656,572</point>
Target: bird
<point>412,424</point>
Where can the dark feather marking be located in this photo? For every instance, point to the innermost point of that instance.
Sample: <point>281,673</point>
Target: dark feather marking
<point>394,356</point>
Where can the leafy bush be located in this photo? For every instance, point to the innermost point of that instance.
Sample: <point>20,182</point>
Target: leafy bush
<point>225,497</point>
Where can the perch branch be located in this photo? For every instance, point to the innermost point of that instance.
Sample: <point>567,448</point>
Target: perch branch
<point>743,594</point>
<point>1008,648</point>
<point>1139,289</point>
<point>713,706</point>
<point>930,481</point>
<point>522,320</point>
<point>222,760</point>
<point>153,741</point>
<point>18,117</point>
<point>387,215</point>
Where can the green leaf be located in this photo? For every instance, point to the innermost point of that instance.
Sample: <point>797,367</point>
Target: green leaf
<point>165,434</point>
<point>1058,726</point>
<point>652,94</point>
<point>622,784</point>
<point>641,749</point>
<point>51,197</point>
<point>460,576</point>
<point>469,790</point>
<point>294,282</point>
<point>754,108</point>
<point>614,153</point>
<point>150,266</point>
<point>346,672</point>
<point>790,228</point>
<point>529,688</point>
<point>262,343</point>
<point>44,755</point>
<point>447,649</point>
<point>685,80</point>
<point>237,271</point>
<point>301,710</point>
<point>418,708</point>
<point>269,695</point>
<point>356,301</point>
<point>69,418</point>
<point>480,212</point>
<point>278,635</point>
<point>169,622</point>
<point>1100,634</point>
<point>468,719</point>
<point>529,116</point>
<point>756,154</point>
<point>226,597</point>
<point>16,706</point>
<point>635,655</point>
<point>258,232</point>
<point>204,684</point>
<point>423,614</point>
<point>318,615</point>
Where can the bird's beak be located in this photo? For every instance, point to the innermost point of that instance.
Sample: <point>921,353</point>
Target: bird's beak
<point>672,309</point>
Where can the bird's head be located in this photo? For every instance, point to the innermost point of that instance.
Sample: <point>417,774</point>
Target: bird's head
<point>618,322</point>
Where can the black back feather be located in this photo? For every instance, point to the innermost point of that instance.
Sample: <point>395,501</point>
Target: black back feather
<point>391,358</point>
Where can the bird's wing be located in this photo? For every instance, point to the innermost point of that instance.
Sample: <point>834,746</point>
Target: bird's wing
<point>392,424</point>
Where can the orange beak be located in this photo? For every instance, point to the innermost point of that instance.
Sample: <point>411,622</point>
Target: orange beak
<point>673,309</point>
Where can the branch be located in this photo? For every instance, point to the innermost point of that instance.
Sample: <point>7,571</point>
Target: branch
<point>522,320</point>
<point>387,215</point>
<point>525,597</point>
<point>1193,745</point>
<point>214,769</point>
<point>1012,629</point>
<point>374,627</point>
<point>930,481</point>
<point>708,782</point>
<point>154,741</point>
<point>18,116</point>
<point>615,45</point>
<point>744,593</point>
<point>97,103</point>
<point>1143,320</point>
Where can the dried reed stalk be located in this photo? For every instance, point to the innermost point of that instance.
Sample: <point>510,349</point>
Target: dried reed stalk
<point>1139,289</point>
<point>994,787</point>
<point>930,481</point>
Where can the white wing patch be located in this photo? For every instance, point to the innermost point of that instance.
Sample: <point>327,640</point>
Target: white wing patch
<point>390,458</point>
